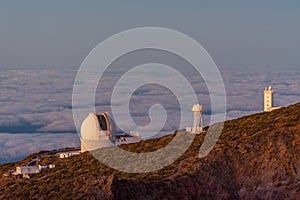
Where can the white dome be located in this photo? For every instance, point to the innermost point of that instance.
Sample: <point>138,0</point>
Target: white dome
<point>97,126</point>
<point>97,131</point>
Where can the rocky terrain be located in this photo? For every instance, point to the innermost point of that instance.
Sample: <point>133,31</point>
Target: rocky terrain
<point>256,157</point>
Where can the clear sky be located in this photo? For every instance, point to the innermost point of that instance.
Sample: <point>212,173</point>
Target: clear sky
<point>236,33</point>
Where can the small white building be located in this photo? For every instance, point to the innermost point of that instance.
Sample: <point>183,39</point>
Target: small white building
<point>188,129</point>
<point>64,155</point>
<point>27,170</point>
<point>51,166</point>
<point>41,167</point>
<point>68,154</point>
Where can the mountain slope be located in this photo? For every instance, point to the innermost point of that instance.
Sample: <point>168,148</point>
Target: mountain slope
<point>256,157</point>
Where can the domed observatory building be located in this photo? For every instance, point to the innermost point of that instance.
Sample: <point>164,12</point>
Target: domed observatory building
<point>97,131</point>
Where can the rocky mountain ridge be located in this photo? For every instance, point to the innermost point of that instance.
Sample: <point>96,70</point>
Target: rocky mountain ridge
<point>256,157</point>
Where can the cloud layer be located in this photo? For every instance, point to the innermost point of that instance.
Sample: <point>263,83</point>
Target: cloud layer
<point>35,105</point>
<point>17,146</point>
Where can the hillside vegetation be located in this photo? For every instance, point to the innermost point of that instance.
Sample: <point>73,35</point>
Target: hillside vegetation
<point>256,157</point>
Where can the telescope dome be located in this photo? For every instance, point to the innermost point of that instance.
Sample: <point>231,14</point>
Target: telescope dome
<point>97,130</point>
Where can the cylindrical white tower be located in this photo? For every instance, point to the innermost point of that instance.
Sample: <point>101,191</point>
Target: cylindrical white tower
<point>268,99</point>
<point>198,122</point>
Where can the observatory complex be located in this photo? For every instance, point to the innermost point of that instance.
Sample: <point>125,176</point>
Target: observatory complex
<point>98,130</point>
<point>268,100</point>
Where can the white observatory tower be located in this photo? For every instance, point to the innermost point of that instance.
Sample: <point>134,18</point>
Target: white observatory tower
<point>268,98</point>
<point>198,122</point>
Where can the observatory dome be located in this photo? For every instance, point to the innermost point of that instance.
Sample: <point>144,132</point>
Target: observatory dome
<point>97,130</point>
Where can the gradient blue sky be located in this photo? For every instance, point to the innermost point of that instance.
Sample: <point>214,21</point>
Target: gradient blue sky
<point>236,33</point>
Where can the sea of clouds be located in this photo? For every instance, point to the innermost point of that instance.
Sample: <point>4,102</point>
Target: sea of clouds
<point>36,104</point>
